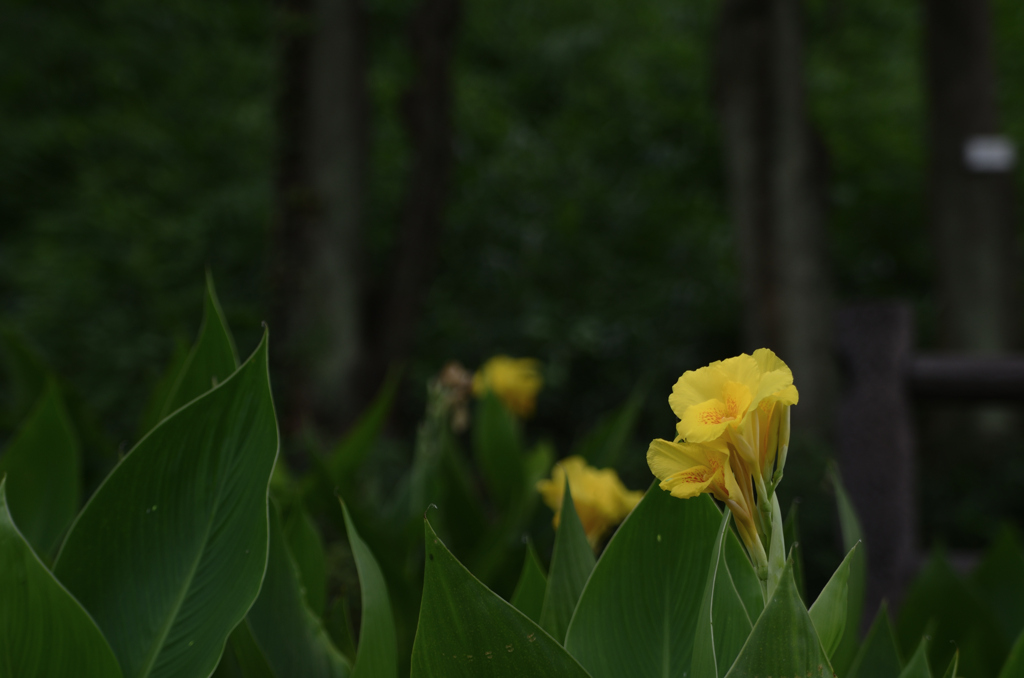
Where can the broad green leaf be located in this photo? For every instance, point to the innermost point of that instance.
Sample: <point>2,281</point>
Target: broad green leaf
<point>43,466</point>
<point>493,551</point>
<point>469,527</point>
<point>999,582</point>
<point>791,530</point>
<point>1014,666</point>
<point>181,524</point>
<point>377,654</point>
<point>829,611</point>
<point>723,624</point>
<point>879,656</point>
<point>154,410</point>
<point>465,630</point>
<point>349,454</point>
<point>528,597</point>
<point>743,576</point>
<point>27,375</point>
<point>290,636</point>
<point>572,561</point>
<point>849,525</point>
<point>498,449</point>
<point>242,657</point>
<point>783,642</point>
<point>43,629</point>
<point>954,664</point>
<point>918,667</point>
<point>638,613</point>
<point>939,596</point>
<point>212,359</point>
<point>777,548</point>
<point>603,445</point>
<point>307,548</point>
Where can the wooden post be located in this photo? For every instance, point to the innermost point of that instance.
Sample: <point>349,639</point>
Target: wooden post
<point>875,442</point>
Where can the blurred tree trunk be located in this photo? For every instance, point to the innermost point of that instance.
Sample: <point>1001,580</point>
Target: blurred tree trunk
<point>775,166</point>
<point>971,212</point>
<point>427,113</point>
<point>320,191</point>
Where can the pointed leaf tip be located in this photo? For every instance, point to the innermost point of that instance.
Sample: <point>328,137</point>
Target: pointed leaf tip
<point>465,628</point>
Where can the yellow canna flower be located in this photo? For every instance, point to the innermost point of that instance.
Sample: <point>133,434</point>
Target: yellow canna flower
<point>516,381</point>
<point>600,498</point>
<point>733,432</point>
<point>742,401</point>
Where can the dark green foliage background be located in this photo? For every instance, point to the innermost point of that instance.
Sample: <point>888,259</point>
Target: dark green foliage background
<point>588,223</point>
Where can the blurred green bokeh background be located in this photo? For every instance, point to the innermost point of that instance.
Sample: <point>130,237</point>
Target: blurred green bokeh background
<point>587,224</point>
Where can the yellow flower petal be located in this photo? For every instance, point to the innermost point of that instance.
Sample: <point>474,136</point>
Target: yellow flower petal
<point>600,498</point>
<point>708,383</point>
<point>788,395</point>
<point>708,420</point>
<point>688,469</point>
<point>767,361</point>
<point>776,377</point>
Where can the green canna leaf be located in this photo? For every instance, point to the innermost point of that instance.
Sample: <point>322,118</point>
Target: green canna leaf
<point>783,641</point>
<point>242,657</point>
<point>291,637</point>
<point>639,611</point>
<point>743,576</point>
<point>499,450</point>
<point>349,454</point>
<point>465,630</point>
<point>879,656</point>
<point>1014,665</point>
<point>43,629</point>
<point>954,664</point>
<point>999,583</point>
<point>918,667</point>
<point>791,531</point>
<point>528,597</point>
<point>43,466</point>
<point>307,548</point>
<point>723,624</point>
<point>830,611</point>
<point>154,410</point>
<point>212,359</point>
<point>941,604</point>
<point>572,561</point>
<point>852,534</point>
<point>181,524</point>
<point>377,653</point>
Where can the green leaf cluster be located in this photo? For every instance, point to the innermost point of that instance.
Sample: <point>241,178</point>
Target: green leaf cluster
<point>201,554</point>
<point>180,563</point>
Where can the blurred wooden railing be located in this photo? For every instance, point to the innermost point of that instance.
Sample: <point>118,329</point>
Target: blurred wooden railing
<point>875,434</point>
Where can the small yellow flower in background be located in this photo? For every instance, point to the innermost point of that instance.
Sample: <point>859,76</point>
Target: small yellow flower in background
<point>516,381</point>
<point>600,498</point>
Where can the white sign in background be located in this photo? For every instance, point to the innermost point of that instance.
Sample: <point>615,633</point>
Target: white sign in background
<point>990,153</point>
